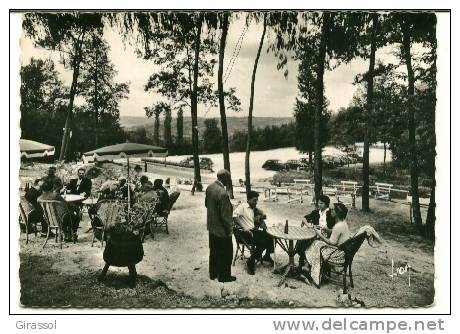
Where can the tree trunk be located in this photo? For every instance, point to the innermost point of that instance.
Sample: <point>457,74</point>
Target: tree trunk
<point>384,158</point>
<point>167,128</point>
<point>247,171</point>
<point>194,106</point>
<point>180,126</point>
<point>367,116</point>
<point>73,89</point>
<point>431,214</point>
<point>310,159</point>
<point>223,116</point>
<point>319,92</point>
<point>411,115</point>
<point>96,115</point>
<point>156,130</point>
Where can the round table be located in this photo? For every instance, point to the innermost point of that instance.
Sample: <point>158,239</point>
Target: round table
<point>286,242</point>
<point>71,198</point>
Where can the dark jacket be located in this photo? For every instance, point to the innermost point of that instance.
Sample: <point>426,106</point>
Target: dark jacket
<point>163,200</point>
<point>31,196</point>
<point>84,187</point>
<point>219,210</point>
<point>313,217</point>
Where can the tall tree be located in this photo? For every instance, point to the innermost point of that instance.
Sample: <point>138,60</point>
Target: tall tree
<point>43,101</point>
<point>414,27</point>
<point>180,126</point>
<point>368,112</point>
<point>247,171</point>
<point>167,127</point>
<point>65,33</point>
<point>155,111</point>
<point>97,86</point>
<point>212,136</point>
<point>220,84</point>
<point>319,94</point>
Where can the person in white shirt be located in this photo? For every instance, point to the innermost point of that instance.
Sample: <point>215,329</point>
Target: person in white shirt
<point>253,230</point>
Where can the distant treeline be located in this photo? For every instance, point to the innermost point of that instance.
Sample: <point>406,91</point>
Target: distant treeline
<point>268,137</point>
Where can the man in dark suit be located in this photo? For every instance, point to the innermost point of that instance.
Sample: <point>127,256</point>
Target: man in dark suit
<point>219,224</point>
<point>80,186</point>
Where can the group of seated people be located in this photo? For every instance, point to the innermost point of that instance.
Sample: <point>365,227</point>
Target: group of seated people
<point>51,187</point>
<point>141,189</point>
<point>330,226</point>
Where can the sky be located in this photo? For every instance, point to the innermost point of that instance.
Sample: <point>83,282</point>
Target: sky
<point>274,94</point>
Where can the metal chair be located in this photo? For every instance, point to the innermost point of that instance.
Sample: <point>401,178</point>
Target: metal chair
<point>349,247</point>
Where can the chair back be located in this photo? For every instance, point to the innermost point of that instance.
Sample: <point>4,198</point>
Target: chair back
<point>54,212</point>
<point>351,246</point>
<point>25,209</point>
<point>173,198</point>
<point>109,212</point>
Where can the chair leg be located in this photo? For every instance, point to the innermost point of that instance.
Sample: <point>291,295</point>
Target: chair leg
<point>27,233</point>
<point>103,272</point>
<point>92,239</point>
<point>166,223</point>
<point>60,235</point>
<point>132,275</point>
<point>236,253</point>
<point>46,238</point>
<point>351,276</point>
<point>344,274</point>
<point>102,238</point>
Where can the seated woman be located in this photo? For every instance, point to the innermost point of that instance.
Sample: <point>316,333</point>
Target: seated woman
<point>321,217</point>
<point>340,234</point>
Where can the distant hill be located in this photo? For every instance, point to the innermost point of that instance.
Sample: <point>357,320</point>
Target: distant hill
<point>234,123</point>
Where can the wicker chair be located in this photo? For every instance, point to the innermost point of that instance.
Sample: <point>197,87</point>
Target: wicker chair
<point>107,213</point>
<point>349,247</point>
<point>54,213</point>
<point>25,211</point>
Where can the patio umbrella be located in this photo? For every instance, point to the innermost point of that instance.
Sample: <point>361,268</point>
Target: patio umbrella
<point>126,150</point>
<point>34,149</point>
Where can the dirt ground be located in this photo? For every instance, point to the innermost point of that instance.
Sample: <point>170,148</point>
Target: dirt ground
<point>174,271</point>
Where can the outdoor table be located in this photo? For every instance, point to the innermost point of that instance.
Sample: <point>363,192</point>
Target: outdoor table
<point>71,198</point>
<point>286,242</point>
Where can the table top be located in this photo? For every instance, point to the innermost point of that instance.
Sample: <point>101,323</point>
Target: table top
<point>90,201</point>
<point>73,198</point>
<point>294,232</point>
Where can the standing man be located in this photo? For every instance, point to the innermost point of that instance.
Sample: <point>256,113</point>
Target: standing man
<point>219,225</point>
<point>81,185</point>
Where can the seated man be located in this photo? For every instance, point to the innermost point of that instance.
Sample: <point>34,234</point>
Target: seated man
<point>51,177</point>
<point>70,223</point>
<point>163,197</point>
<point>320,217</point>
<point>81,185</point>
<point>254,230</point>
<point>36,216</point>
<point>147,192</point>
